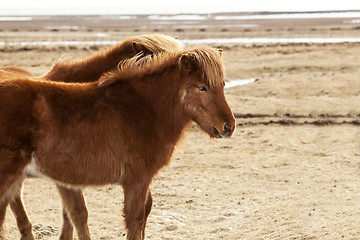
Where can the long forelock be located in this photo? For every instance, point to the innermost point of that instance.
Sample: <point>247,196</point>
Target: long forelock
<point>211,65</point>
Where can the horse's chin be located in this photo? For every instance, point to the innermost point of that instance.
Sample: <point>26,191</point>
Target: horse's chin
<point>221,134</point>
<point>213,133</point>
<point>216,134</point>
<point>213,130</point>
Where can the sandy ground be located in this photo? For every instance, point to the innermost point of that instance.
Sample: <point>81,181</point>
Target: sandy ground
<point>291,170</point>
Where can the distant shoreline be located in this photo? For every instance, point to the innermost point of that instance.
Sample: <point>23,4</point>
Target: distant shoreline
<point>45,12</point>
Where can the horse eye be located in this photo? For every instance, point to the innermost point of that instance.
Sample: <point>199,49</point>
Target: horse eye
<point>203,89</point>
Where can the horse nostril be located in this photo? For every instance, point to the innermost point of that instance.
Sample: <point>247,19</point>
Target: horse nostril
<point>226,127</point>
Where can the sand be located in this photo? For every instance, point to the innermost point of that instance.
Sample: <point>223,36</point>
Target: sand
<point>290,171</point>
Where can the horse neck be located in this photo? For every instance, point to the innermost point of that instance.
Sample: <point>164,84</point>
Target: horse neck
<point>162,94</point>
<point>90,69</point>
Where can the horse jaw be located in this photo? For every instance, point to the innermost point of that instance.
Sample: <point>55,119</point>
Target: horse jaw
<point>213,126</point>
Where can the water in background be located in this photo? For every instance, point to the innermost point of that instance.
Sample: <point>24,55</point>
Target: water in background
<point>201,17</point>
<point>200,21</point>
<point>190,41</point>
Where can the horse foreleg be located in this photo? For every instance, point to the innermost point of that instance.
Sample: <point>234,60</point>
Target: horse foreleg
<point>23,222</point>
<point>148,205</point>
<point>74,205</point>
<point>67,227</point>
<point>134,209</point>
<point>3,206</point>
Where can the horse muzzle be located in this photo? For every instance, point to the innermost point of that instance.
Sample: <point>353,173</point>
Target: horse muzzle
<point>225,131</point>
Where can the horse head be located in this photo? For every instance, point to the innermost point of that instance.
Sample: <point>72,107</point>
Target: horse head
<point>202,94</point>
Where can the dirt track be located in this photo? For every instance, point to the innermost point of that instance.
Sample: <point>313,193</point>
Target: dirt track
<point>291,170</point>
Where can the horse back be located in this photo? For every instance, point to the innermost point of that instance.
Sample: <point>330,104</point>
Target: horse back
<point>13,72</point>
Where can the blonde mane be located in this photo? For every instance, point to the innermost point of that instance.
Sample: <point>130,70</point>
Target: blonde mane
<point>152,42</point>
<point>207,60</point>
<point>210,62</point>
<point>156,42</point>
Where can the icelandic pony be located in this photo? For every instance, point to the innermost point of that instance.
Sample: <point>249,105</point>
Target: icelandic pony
<point>121,129</point>
<point>87,70</point>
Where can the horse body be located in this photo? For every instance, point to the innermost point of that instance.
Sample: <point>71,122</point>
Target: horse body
<point>72,127</point>
<point>80,138</point>
<point>83,132</point>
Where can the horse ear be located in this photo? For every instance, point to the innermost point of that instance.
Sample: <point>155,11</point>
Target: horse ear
<point>187,62</point>
<point>220,51</point>
<point>140,48</point>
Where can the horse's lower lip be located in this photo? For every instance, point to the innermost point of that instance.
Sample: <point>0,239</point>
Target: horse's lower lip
<point>217,133</point>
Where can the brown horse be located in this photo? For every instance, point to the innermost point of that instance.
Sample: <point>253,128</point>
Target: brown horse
<point>122,129</point>
<point>87,70</point>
